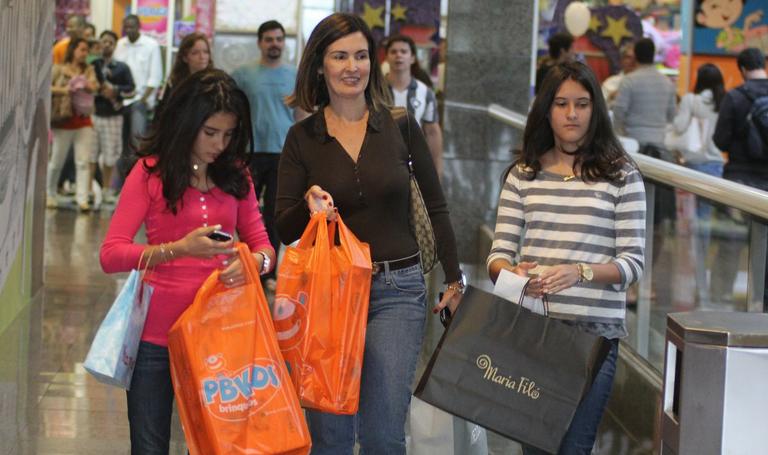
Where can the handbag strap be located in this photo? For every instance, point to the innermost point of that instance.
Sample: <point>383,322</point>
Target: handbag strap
<point>400,115</point>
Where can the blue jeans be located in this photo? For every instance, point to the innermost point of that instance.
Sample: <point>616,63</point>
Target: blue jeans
<point>393,337</point>
<point>713,168</point>
<point>581,435</point>
<point>150,401</point>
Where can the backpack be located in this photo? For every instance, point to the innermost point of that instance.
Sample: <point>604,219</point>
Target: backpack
<point>757,126</point>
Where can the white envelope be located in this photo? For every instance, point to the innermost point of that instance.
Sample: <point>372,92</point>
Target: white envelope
<point>509,286</point>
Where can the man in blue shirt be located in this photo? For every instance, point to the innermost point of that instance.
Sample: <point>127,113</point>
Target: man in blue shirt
<point>266,84</point>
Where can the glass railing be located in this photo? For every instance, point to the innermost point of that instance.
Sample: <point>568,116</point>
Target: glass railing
<point>706,244</point>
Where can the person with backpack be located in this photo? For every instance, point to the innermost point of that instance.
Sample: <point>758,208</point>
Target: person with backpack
<point>742,131</point>
<point>742,126</point>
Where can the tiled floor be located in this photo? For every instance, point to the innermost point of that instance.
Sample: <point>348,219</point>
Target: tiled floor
<point>48,403</point>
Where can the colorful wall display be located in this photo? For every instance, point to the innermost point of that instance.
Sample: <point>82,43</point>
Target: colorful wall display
<point>154,19</point>
<point>205,14</point>
<point>411,13</point>
<point>725,27</point>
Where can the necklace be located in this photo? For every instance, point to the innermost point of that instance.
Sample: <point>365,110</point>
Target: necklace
<point>203,179</point>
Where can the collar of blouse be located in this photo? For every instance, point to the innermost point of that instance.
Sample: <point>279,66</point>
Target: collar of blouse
<point>320,128</point>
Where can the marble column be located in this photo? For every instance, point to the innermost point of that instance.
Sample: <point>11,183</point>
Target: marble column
<point>488,60</point>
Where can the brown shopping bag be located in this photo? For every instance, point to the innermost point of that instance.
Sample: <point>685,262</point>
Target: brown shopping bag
<point>233,391</point>
<point>512,371</point>
<point>320,315</point>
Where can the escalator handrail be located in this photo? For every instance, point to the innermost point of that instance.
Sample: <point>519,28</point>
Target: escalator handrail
<point>742,197</point>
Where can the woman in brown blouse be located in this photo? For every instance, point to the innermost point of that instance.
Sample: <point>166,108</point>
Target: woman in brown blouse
<point>351,156</point>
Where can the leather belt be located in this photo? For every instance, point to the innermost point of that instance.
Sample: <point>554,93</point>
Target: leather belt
<point>396,264</point>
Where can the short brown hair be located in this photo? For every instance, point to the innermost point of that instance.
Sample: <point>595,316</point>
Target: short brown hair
<point>311,90</point>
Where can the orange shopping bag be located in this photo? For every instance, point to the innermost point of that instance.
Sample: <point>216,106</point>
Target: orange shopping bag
<point>320,315</point>
<point>233,390</point>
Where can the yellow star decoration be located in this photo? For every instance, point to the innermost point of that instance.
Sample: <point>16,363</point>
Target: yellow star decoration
<point>616,30</point>
<point>595,24</point>
<point>372,16</point>
<point>398,13</point>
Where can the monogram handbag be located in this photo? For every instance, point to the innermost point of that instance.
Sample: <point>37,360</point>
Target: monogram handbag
<point>512,371</point>
<point>418,215</point>
<point>61,105</point>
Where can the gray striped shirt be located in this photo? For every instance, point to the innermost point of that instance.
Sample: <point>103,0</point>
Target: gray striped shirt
<point>567,221</point>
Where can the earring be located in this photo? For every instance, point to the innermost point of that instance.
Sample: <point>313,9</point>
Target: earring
<point>195,167</point>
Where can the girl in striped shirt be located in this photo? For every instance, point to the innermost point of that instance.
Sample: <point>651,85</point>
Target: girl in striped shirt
<point>572,212</point>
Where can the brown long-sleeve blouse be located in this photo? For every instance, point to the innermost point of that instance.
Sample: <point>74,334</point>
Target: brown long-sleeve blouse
<point>371,195</point>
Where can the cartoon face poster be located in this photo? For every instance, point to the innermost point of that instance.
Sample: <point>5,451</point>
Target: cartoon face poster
<point>729,26</point>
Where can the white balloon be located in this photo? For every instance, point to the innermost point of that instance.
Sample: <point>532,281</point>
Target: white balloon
<point>577,17</point>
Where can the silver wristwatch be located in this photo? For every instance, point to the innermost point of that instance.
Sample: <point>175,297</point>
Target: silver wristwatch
<point>265,263</point>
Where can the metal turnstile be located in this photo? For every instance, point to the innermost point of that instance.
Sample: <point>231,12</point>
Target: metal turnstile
<point>715,397</point>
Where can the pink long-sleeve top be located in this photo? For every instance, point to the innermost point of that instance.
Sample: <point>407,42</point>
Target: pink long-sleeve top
<point>175,282</point>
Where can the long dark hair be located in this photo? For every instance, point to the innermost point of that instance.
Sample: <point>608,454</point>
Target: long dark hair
<point>600,156</point>
<point>416,70</point>
<point>310,88</point>
<point>173,134</point>
<point>709,77</point>
<point>180,69</point>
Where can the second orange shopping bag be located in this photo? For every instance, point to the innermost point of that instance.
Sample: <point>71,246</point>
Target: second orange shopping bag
<point>320,314</point>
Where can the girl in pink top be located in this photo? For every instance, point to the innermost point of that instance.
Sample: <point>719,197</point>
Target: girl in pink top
<point>192,180</point>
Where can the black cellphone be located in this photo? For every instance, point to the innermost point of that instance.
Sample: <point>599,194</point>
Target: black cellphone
<point>445,313</point>
<point>220,236</point>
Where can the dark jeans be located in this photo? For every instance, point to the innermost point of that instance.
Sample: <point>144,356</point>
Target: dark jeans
<point>264,175</point>
<point>150,401</point>
<point>583,430</point>
<point>135,122</point>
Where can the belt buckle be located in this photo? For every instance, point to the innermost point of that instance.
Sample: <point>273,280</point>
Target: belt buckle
<point>375,268</point>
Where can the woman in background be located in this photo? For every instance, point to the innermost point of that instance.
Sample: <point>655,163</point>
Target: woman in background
<point>74,75</point>
<point>194,55</point>
<point>702,106</point>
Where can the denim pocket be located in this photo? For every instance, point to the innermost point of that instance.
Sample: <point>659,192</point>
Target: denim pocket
<point>409,280</point>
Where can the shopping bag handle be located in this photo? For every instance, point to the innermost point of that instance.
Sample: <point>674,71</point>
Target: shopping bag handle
<point>310,233</point>
<point>143,271</point>
<point>349,243</point>
<point>544,298</point>
<point>248,262</point>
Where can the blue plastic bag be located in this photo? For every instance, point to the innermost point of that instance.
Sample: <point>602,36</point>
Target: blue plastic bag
<point>113,352</point>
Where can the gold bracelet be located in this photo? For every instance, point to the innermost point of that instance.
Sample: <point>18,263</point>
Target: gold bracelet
<point>456,287</point>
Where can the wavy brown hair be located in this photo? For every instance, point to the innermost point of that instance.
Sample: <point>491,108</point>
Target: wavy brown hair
<point>173,136</point>
<point>600,156</point>
<point>180,69</point>
<point>311,89</point>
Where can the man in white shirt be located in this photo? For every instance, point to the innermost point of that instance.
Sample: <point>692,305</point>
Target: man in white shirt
<point>142,55</point>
